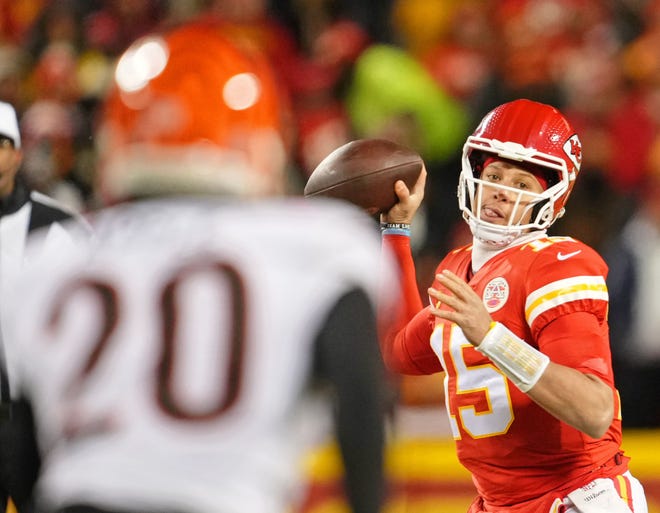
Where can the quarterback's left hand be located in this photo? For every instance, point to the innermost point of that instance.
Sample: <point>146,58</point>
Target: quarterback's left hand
<point>468,310</point>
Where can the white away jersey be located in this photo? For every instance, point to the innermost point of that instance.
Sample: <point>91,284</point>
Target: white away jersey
<point>183,331</point>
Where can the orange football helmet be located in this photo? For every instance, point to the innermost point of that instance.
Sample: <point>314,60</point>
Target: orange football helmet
<point>189,112</point>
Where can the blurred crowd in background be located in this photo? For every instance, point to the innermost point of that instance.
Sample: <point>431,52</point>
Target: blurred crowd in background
<point>421,72</point>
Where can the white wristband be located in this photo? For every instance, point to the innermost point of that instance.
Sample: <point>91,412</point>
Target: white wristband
<point>519,361</point>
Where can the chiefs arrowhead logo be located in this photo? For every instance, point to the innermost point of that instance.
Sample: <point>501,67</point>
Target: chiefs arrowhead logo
<point>573,149</point>
<point>496,294</point>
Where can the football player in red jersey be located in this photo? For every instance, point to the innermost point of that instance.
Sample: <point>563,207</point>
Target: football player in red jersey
<point>518,322</point>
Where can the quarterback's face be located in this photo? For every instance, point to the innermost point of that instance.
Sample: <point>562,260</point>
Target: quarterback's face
<point>497,204</point>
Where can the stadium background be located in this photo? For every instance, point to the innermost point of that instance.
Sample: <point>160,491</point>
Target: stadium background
<point>445,62</point>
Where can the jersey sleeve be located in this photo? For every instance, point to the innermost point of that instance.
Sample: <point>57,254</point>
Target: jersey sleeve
<point>566,307</point>
<point>564,278</point>
<point>408,350</point>
<point>399,247</point>
<point>348,342</point>
<point>578,340</point>
<point>405,336</point>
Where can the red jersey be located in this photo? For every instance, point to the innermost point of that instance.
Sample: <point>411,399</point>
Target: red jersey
<point>551,293</point>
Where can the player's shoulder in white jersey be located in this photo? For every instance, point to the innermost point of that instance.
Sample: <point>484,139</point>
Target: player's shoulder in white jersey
<point>143,304</point>
<point>159,243</point>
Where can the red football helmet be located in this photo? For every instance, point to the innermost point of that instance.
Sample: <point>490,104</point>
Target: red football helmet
<point>189,112</point>
<point>535,136</point>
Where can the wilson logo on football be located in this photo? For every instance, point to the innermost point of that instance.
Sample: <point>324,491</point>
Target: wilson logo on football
<point>496,294</point>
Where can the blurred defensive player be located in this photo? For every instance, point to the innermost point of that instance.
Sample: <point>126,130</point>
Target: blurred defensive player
<point>169,360</point>
<point>518,321</point>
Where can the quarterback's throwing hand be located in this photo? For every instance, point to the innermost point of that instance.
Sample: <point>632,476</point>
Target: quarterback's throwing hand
<point>467,308</point>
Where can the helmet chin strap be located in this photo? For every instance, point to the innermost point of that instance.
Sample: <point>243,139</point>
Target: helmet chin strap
<point>495,236</point>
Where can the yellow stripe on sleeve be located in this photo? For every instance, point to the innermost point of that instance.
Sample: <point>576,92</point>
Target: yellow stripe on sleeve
<point>564,291</point>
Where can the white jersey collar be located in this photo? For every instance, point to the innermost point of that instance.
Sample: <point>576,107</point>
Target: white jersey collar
<point>482,252</point>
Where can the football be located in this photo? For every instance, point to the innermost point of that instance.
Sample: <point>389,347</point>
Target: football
<point>364,172</point>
